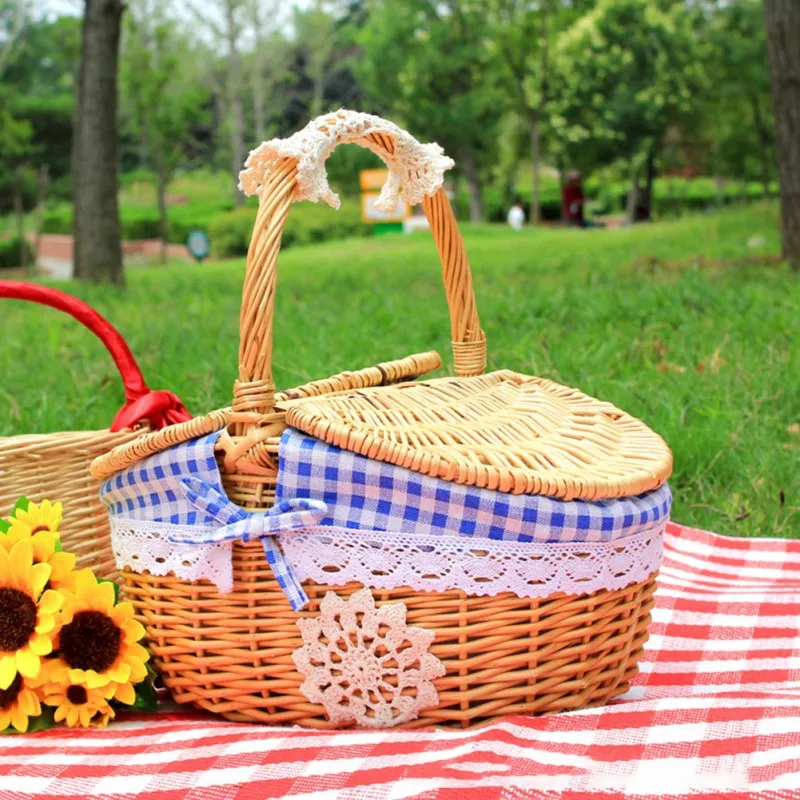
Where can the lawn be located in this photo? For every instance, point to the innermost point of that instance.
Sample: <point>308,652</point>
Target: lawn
<point>690,325</point>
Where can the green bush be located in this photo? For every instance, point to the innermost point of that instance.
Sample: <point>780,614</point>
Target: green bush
<point>308,223</point>
<point>10,252</point>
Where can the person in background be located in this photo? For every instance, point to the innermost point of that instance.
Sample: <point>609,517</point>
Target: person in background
<point>516,215</point>
<point>572,200</point>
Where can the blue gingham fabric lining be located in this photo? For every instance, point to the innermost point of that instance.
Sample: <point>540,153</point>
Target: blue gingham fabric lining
<point>182,486</point>
<point>364,494</point>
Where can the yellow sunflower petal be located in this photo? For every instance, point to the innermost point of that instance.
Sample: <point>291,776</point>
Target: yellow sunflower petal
<point>8,670</point>
<point>133,632</point>
<point>76,676</point>
<point>5,720</point>
<point>125,693</point>
<point>4,566</point>
<point>85,716</point>
<point>19,719</point>
<point>120,673</point>
<point>41,645</point>
<point>123,613</point>
<point>61,713</point>
<point>50,602</point>
<point>104,596</point>
<point>84,582</point>
<point>44,546</point>
<point>94,680</point>
<point>28,663</point>
<point>72,716</point>
<point>39,574</point>
<point>21,556</point>
<point>28,703</point>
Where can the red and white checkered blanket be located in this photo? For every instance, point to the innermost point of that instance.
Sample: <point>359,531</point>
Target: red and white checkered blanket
<point>715,714</point>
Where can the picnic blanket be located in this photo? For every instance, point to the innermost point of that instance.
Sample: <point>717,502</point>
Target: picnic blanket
<point>715,713</point>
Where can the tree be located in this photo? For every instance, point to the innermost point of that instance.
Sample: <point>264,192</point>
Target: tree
<point>523,34</point>
<point>165,103</point>
<point>782,19</point>
<point>97,250</point>
<point>428,65</point>
<point>627,71</point>
<point>735,113</point>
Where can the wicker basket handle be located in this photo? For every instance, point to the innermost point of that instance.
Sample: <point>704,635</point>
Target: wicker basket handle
<point>158,408</point>
<point>284,171</point>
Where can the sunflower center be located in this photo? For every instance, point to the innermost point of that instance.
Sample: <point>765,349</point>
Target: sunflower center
<point>90,641</point>
<point>77,695</point>
<point>39,529</point>
<point>8,696</point>
<point>17,619</point>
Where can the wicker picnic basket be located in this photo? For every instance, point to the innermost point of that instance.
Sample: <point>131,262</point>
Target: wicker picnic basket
<point>235,653</point>
<point>55,466</point>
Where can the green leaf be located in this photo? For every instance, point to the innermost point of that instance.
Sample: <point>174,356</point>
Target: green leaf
<point>41,723</point>
<point>21,505</point>
<point>5,527</point>
<point>146,698</point>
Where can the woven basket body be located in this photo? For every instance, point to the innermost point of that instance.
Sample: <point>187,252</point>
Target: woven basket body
<point>232,653</point>
<point>55,466</point>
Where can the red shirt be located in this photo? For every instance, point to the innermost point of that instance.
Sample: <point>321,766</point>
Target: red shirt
<point>572,201</point>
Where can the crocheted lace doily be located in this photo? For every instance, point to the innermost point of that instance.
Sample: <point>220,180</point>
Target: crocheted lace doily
<point>415,169</point>
<point>381,560</point>
<point>365,664</point>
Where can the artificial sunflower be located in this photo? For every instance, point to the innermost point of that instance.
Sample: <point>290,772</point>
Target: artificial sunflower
<point>45,516</point>
<point>40,524</point>
<point>28,613</point>
<point>99,640</point>
<point>18,703</point>
<point>74,703</point>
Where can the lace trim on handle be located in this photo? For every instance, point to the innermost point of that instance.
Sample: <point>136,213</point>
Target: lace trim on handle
<point>381,560</point>
<point>415,169</point>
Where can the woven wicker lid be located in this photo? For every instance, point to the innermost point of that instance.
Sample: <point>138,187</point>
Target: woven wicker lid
<point>504,431</point>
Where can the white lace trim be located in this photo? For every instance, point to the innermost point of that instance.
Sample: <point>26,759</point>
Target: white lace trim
<point>380,560</point>
<point>142,545</point>
<point>415,169</point>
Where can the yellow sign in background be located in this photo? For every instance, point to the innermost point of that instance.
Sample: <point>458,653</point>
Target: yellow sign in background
<point>372,181</point>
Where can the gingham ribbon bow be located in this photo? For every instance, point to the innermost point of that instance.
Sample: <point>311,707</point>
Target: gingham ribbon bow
<point>239,525</point>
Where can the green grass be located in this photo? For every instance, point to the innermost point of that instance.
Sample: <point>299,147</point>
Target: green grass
<point>633,316</point>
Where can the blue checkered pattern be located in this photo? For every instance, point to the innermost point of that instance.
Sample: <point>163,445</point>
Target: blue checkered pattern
<point>182,486</point>
<point>364,494</point>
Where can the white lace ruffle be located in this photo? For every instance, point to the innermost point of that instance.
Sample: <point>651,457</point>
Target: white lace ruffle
<point>415,169</point>
<point>143,545</point>
<point>380,560</point>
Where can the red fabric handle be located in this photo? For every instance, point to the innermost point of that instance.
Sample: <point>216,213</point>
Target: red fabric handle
<point>160,408</point>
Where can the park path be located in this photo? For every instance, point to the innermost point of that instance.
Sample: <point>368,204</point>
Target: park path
<point>55,253</point>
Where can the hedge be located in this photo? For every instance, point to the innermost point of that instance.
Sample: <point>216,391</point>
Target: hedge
<point>10,252</point>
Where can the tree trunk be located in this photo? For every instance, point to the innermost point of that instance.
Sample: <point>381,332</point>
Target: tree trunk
<point>650,176</point>
<point>536,166</point>
<point>782,19</point>
<point>475,199</point>
<point>257,76</point>
<point>234,91</point>
<point>41,204</point>
<point>633,198</point>
<point>163,220</point>
<point>763,144</point>
<point>19,213</point>
<point>97,250</point>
